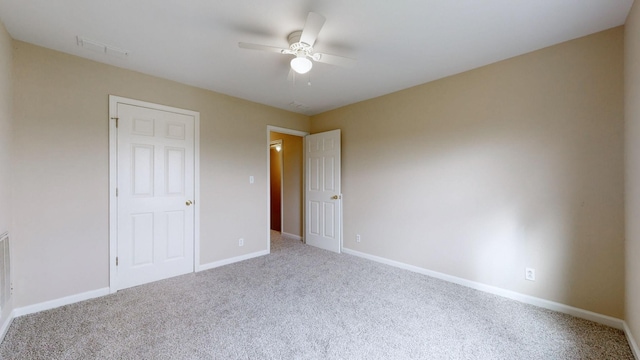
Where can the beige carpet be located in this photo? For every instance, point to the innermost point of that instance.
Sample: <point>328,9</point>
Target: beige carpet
<point>304,303</point>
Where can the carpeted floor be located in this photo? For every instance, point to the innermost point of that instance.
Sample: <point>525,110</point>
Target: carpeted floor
<point>300,302</point>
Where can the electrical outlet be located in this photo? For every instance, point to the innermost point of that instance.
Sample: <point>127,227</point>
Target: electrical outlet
<point>241,242</point>
<point>358,238</point>
<point>530,274</point>
<point>251,179</point>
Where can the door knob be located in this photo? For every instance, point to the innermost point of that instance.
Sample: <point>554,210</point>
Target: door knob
<point>189,202</point>
<point>335,197</point>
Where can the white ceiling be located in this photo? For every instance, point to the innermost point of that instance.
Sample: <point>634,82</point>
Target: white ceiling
<point>398,44</point>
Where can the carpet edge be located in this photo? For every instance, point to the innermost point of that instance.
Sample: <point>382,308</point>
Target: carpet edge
<point>215,264</point>
<point>527,299</point>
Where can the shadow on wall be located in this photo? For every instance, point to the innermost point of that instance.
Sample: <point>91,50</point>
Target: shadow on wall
<point>485,208</point>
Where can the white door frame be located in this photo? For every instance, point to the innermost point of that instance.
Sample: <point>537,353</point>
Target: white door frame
<point>271,128</point>
<point>113,181</point>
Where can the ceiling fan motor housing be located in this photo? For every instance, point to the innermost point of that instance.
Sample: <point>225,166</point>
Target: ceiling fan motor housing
<point>299,48</point>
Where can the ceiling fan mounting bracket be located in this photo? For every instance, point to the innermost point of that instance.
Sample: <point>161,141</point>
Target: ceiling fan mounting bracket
<point>294,37</point>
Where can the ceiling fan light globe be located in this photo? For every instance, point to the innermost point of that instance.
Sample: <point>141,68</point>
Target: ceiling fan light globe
<point>301,65</point>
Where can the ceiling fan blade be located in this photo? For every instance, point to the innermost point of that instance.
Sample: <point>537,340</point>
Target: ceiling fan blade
<point>335,60</point>
<point>261,47</point>
<point>312,28</point>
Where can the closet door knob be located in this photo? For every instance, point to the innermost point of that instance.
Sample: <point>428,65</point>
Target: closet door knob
<point>189,202</point>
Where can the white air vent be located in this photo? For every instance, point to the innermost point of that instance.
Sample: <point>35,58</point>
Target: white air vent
<point>101,47</point>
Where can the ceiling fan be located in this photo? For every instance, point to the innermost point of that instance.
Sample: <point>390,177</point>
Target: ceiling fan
<point>301,46</point>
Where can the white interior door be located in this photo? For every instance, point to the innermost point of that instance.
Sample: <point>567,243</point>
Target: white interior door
<point>155,194</point>
<point>323,197</point>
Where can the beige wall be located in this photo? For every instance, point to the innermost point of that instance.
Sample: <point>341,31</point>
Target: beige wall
<point>292,147</point>
<point>6,99</point>
<point>632,132</point>
<point>512,165</point>
<point>61,174</point>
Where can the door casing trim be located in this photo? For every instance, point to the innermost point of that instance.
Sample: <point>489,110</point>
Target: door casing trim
<point>113,181</point>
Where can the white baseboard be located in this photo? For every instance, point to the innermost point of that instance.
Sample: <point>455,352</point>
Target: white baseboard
<point>52,304</point>
<point>6,317</point>
<point>632,341</point>
<point>292,236</point>
<point>527,299</point>
<point>236,259</point>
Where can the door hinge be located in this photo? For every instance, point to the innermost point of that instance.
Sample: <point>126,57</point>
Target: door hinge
<point>116,192</point>
<point>116,119</point>
<point>116,261</point>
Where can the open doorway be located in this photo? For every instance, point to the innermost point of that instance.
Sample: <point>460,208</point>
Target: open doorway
<point>276,183</point>
<point>286,178</point>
